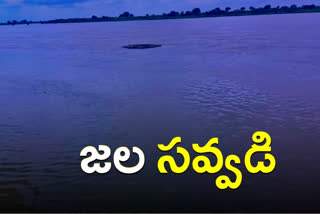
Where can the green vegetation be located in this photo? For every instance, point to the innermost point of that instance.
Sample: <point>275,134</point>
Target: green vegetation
<point>195,13</point>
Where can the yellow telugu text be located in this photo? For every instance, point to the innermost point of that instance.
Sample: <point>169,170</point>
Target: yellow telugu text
<point>262,144</point>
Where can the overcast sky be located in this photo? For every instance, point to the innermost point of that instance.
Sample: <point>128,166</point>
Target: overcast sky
<point>50,9</point>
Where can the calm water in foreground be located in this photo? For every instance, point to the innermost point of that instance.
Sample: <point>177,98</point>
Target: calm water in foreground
<point>66,86</point>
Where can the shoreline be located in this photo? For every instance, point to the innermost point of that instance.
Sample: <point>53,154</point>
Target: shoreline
<point>216,13</point>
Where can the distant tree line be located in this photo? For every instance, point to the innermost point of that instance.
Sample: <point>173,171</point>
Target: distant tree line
<point>185,14</point>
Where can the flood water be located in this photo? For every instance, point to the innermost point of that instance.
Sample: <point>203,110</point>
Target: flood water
<point>67,86</point>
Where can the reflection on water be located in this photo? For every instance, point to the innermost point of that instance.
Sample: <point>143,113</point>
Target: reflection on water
<point>66,86</point>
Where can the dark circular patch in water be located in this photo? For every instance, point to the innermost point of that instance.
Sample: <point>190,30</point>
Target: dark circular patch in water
<point>141,46</point>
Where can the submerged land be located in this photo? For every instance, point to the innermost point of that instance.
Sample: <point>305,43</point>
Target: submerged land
<point>195,13</point>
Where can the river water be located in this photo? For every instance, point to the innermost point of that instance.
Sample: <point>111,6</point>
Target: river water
<point>67,86</point>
